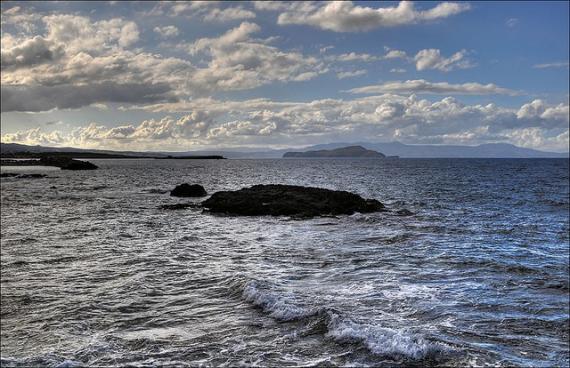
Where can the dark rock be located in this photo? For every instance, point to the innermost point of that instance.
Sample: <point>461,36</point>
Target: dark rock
<point>157,191</point>
<point>404,212</point>
<point>22,176</point>
<point>187,190</point>
<point>179,206</point>
<point>79,165</point>
<point>289,200</point>
<point>31,176</point>
<point>66,163</point>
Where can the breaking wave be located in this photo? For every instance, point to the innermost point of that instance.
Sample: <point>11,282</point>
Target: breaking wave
<point>381,341</point>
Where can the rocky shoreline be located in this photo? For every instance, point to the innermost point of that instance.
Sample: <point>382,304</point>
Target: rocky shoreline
<point>64,163</point>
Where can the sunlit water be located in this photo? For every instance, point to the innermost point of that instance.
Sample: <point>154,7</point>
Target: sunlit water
<point>95,273</point>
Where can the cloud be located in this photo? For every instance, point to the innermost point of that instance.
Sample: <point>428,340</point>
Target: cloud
<point>241,33</point>
<point>228,14</point>
<point>36,136</point>
<point>397,70</point>
<point>207,11</point>
<point>538,113</point>
<point>424,59</point>
<point>351,74</point>
<point>238,61</point>
<point>558,64</point>
<point>79,33</point>
<point>181,8</point>
<point>421,86</point>
<point>325,49</point>
<point>22,19</point>
<point>432,59</point>
<point>395,54</point>
<point>76,52</point>
<point>100,106</point>
<point>537,138</point>
<point>275,5</point>
<point>36,50</point>
<point>213,123</point>
<point>119,76</point>
<point>344,16</point>
<point>167,31</point>
<point>44,98</point>
<point>352,56</point>
<point>367,58</point>
<point>511,22</point>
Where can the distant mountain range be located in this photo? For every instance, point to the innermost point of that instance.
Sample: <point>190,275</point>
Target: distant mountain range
<point>493,150</point>
<point>350,151</point>
<point>490,150</point>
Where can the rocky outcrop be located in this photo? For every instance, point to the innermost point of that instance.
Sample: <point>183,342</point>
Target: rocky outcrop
<point>187,190</point>
<point>289,200</point>
<point>64,163</point>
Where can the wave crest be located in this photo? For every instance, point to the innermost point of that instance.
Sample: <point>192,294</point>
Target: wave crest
<point>332,324</point>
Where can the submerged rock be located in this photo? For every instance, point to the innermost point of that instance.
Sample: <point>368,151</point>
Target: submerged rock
<point>66,163</point>
<point>187,190</point>
<point>22,176</point>
<point>404,212</point>
<point>157,191</point>
<point>178,206</point>
<point>32,176</point>
<point>289,200</point>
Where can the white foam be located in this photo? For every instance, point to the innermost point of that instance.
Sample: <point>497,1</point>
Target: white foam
<point>378,340</point>
<point>49,359</point>
<point>383,341</point>
<point>280,307</point>
<point>69,364</point>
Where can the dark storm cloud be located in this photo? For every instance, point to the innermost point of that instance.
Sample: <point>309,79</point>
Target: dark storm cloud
<point>43,98</point>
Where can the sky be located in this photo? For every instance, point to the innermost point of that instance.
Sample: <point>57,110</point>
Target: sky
<point>180,76</point>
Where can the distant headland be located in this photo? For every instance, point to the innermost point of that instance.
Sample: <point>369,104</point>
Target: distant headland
<point>351,151</point>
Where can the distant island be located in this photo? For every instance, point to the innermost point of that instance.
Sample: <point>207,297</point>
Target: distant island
<point>351,151</point>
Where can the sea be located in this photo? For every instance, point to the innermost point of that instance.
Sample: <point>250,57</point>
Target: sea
<point>95,273</point>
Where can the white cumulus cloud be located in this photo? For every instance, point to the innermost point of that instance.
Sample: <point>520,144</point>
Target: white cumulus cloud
<point>167,31</point>
<point>432,59</point>
<point>345,16</point>
<point>557,64</point>
<point>422,86</point>
<point>209,122</point>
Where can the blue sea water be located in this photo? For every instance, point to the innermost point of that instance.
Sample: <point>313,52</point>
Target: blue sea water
<point>95,273</point>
